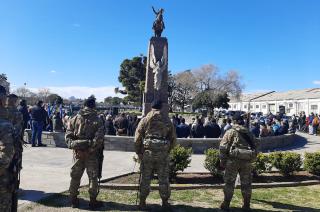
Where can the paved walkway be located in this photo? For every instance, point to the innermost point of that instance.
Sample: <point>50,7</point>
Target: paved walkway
<point>46,170</point>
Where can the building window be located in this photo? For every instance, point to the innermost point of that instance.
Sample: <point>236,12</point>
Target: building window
<point>251,106</point>
<point>234,106</point>
<point>290,105</point>
<point>245,106</point>
<point>314,107</point>
<point>264,106</point>
<point>257,106</point>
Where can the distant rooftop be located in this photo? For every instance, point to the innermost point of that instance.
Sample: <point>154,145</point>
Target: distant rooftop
<point>311,93</point>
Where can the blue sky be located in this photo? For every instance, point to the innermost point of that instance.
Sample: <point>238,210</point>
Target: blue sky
<point>273,44</point>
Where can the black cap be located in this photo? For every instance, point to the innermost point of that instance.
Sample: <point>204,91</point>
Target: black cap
<point>157,104</point>
<point>237,117</point>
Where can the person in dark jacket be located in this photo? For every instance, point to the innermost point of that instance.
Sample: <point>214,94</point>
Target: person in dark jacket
<point>121,124</point>
<point>198,130</point>
<point>110,130</point>
<point>183,130</point>
<point>212,129</point>
<point>22,108</point>
<point>38,121</point>
<point>255,129</point>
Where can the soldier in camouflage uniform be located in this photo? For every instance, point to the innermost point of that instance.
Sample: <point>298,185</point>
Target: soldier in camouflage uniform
<point>6,155</point>
<point>154,138</point>
<point>16,118</point>
<point>237,152</point>
<point>85,135</point>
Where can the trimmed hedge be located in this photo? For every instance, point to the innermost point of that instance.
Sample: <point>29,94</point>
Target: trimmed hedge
<point>180,158</point>
<point>286,162</point>
<point>262,164</point>
<point>212,162</point>
<point>312,163</point>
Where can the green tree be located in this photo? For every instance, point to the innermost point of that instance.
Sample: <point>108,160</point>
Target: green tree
<point>132,76</point>
<point>55,98</point>
<point>184,89</point>
<point>210,100</point>
<point>4,82</point>
<point>113,100</point>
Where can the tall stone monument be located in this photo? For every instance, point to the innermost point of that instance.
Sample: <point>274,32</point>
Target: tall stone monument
<point>156,87</point>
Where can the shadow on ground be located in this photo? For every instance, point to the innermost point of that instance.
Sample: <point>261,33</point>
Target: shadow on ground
<point>300,143</point>
<point>278,205</point>
<point>32,195</point>
<point>61,201</point>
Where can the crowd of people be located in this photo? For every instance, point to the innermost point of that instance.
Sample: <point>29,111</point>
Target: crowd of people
<point>308,124</point>
<point>40,118</point>
<point>215,127</point>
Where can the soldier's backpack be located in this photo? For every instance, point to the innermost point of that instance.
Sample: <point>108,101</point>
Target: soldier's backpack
<point>241,153</point>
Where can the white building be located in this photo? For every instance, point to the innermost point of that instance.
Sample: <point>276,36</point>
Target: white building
<point>292,102</point>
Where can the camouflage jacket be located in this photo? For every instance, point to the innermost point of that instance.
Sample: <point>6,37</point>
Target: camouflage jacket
<point>154,125</point>
<point>236,137</point>
<point>16,118</point>
<point>86,125</point>
<point>6,141</point>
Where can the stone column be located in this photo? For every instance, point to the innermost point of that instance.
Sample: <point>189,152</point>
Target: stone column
<point>157,60</point>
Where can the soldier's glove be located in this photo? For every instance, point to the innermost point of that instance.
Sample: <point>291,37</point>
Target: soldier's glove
<point>2,171</point>
<point>81,154</point>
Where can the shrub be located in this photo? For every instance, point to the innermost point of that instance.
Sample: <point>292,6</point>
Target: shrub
<point>286,162</point>
<point>212,162</point>
<point>262,164</point>
<point>312,163</point>
<point>180,158</point>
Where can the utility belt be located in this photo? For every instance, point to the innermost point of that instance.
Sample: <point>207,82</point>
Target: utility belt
<point>243,154</point>
<point>156,144</point>
<point>83,144</point>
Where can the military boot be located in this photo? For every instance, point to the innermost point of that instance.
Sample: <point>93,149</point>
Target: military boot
<point>94,204</point>
<point>142,204</point>
<point>74,202</point>
<point>165,204</point>
<point>225,206</point>
<point>246,204</point>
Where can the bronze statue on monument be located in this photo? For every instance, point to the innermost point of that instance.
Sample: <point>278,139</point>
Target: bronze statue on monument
<point>158,24</point>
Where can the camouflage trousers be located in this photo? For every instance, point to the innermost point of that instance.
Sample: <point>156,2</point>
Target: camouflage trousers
<point>233,167</point>
<point>158,162</point>
<point>5,193</point>
<point>91,165</point>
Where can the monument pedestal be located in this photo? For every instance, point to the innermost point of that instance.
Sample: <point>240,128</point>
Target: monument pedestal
<point>156,87</point>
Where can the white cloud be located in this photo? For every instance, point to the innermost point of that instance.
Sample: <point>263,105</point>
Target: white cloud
<point>76,25</point>
<point>316,82</point>
<point>53,71</point>
<point>82,91</point>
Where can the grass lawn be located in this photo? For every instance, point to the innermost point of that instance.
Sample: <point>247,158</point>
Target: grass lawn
<point>304,198</point>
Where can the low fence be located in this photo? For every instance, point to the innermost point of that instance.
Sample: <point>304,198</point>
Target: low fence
<point>198,145</point>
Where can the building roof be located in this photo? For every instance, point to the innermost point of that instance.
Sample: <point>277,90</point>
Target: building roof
<point>311,93</point>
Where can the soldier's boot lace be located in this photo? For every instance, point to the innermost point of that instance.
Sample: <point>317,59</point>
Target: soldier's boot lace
<point>95,204</point>
<point>74,202</point>
<point>225,206</point>
<point>142,204</point>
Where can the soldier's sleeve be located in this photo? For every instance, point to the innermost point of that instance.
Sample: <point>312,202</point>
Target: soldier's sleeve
<point>139,135</point>
<point>70,131</point>
<point>6,149</point>
<point>225,145</point>
<point>172,136</point>
<point>99,136</point>
<point>19,123</point>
